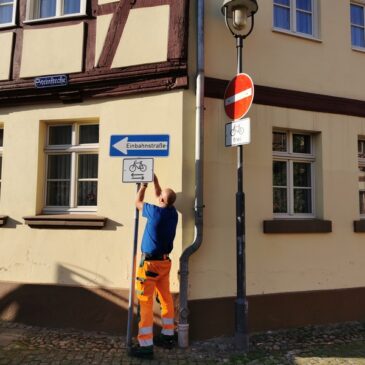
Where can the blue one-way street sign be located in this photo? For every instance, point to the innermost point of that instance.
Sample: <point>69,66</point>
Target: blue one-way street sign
<point>152,145</point>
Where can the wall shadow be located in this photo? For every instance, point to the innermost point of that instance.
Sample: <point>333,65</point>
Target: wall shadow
<point>11,223</point>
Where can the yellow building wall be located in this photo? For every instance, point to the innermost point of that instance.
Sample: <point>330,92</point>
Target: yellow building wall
<point>279,262</point>
<point>83,257</point>
<point>52,50</point>
<point>102,26</point>
<point>326,66</point>
<point>6,41</point>
<point>138,46</point>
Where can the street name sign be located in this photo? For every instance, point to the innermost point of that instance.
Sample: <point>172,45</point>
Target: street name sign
<point>137,170</point>
<point>238,132</point>
<point>137,145</point>
<point>50,81</point>
<point>238,96</point>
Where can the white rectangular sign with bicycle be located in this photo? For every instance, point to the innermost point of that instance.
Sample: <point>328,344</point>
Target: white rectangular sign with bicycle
<point>238,132</point>
<point>137,170</point>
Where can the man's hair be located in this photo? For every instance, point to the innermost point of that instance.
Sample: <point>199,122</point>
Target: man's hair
<point>170,196</point>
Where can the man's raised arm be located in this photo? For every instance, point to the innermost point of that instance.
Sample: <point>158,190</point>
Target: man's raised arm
<point>157,186</point>
<point>140,196</point>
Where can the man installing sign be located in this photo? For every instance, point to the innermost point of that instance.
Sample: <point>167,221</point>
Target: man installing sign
<point>154,269</point>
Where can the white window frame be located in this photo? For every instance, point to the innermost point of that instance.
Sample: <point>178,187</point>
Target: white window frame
<point>32,11</point>
<point>293,20</point>
<point>290,157</point>
<point>75,150</point>
<point>12,23</point>
<point>361,163</point>
<point>361,4</point>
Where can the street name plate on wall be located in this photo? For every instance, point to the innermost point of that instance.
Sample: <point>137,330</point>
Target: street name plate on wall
<point>137,170</point>
<point>50,81</point>
<point>238,133</point>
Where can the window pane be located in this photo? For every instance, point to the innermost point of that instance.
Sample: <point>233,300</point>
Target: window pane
<point>6,14</point>
<point>357,37</point>
<point>71,7</point>
<point>279,141</point>
<point>301,143</point>
<point>304,5</point>
<point>357,15</point>
<point>59,135</point>
<point>302,201</point>
<point>282,2</point>
<point>58,193</point>
<point>88,166</point>
<point>302,174</point>
<point>1,137</point>
<point>1,165</point>
<point>89,133</point>
<point>362,202</point>
<point>361,149</point>
<point>280,200</point>
<point>59,167</point>
<point>281,17</point>
<point>47,8</point>
<point>304,22</point>
<point>87,193</point>
<point>362,178</point>
<point>279,173</point>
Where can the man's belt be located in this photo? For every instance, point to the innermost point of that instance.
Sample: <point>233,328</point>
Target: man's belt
<point>151,257</point>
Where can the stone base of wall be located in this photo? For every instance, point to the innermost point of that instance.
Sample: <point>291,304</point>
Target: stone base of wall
<point>104,309</point>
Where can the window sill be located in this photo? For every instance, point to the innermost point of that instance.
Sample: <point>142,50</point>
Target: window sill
<point>297,226</point>
<point>86,221</point>
<point>359,226</point>
<point>298,35</point>
<point>358,49</point>
<point>3,219</point>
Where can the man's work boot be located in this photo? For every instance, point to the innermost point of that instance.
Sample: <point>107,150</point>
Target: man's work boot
<point>167,342</point>
<point>143,352</point>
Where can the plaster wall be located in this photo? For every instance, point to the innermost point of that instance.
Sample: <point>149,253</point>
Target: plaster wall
<point>83,257</point>
<point>6,41</point>
<point>49,51</point>
<point>327,65</point>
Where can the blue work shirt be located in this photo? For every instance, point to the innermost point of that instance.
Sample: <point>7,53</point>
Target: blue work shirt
<point>159,234</point>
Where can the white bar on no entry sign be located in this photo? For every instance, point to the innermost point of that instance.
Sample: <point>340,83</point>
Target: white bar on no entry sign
<point>239,96</point>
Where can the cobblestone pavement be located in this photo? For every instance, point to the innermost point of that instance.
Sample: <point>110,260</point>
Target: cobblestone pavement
<point>331,345</point>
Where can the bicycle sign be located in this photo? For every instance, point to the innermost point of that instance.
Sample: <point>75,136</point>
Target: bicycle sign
<point>137,170</point>
<point>238,133</point>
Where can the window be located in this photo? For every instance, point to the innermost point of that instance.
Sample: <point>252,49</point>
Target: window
<point>357,26</point>
<point>1,153</point>
<point>48,9</point>
<point>293,170</point>
<point>296,16</point>
<point>361,157</point>
<point>7,12</point>
<point>72,167</point>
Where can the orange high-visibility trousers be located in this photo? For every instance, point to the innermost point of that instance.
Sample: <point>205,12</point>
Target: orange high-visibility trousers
<point>153,276</point>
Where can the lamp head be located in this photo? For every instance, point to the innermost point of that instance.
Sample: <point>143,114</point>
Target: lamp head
<point>239,11</point>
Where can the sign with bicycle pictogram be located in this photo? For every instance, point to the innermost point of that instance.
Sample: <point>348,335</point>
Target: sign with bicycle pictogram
<point>137,170</point>
<point>238,132</point>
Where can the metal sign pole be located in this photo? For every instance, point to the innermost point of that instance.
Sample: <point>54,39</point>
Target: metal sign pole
<point>133,277</point>
<point>241,333</point>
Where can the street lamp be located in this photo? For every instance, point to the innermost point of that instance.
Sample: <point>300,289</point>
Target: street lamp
<point>236,14</point>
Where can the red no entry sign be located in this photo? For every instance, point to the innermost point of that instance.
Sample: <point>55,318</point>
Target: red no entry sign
<point>238,96</point>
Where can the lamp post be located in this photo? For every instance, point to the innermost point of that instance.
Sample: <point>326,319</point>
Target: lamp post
<point>236,14</point>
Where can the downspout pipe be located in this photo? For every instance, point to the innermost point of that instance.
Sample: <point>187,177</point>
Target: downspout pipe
<point>183,326</point>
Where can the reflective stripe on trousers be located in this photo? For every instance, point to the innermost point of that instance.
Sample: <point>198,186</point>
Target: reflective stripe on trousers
<point>153,277</point>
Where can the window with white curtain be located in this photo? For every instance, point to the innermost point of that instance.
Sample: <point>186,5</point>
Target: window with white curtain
<point>7,12</point>
<point>357,26</point>
<point>48,9</point>
<point>293,174</point>
<point>1,153</point>
<point>297,16</point>
<point>72,167</point>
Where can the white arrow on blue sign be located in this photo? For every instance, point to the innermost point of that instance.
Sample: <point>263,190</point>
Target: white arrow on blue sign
<point>137,145</point>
